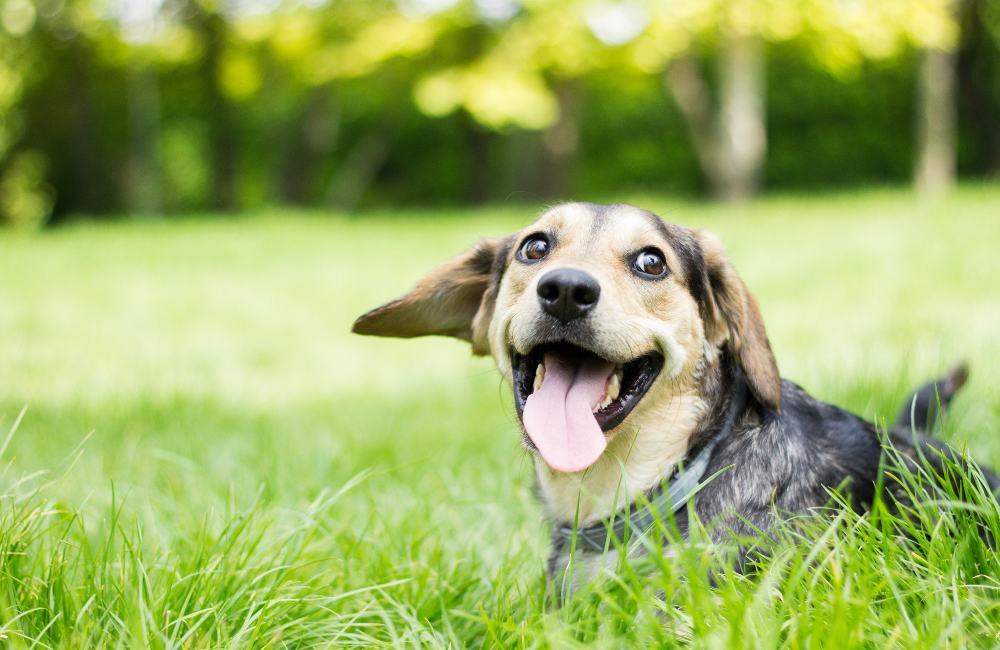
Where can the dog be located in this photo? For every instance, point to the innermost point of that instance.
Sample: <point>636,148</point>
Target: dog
<point>640,365</point>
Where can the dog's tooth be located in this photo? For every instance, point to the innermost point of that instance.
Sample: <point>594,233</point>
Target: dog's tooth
<point>611,391</point>
<point>539,376</point>
<point>603,403</point>
<point>614,387</point>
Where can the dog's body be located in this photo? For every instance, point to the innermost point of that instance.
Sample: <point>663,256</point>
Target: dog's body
<point>631,345</point>
<point>774,465</point>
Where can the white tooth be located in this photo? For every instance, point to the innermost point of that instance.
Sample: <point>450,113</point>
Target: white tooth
<point>611,391</point>
<point>614,386</point>
<point>539,377</point>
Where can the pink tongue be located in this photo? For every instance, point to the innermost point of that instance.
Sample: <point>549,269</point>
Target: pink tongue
<point>558,416</point>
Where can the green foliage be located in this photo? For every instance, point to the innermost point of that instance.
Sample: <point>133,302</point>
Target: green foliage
<point>350,103</point>
<point>25,199</point>
<point>209,458</point>
<point>847,127</point>
<point>848,123</point>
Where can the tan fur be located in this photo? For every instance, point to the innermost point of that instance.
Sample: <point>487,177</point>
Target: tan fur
<point>633,317</point>
<point>738,316</point>
<point>445,302</point>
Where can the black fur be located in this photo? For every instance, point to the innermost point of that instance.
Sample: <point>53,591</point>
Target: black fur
<point>778,464</point>
<point>921,410</point>
<point>774,465</point>
<point>500,260</point>
<point>693,261</point>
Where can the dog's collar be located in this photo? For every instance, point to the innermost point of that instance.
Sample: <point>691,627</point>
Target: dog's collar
<point>661,502</point>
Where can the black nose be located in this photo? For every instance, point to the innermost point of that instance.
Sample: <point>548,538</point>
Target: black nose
<point>568,294</point>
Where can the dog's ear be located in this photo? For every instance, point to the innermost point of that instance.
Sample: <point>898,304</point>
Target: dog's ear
<point>455,299</point>
<point>731,312</point>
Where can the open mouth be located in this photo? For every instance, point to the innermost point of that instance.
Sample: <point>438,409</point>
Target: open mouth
<point>567,397</point>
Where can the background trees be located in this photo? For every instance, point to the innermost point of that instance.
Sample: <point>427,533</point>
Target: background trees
<point>152,107</point>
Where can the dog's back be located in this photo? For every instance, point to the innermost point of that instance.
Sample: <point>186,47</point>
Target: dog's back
<point>783,463</point>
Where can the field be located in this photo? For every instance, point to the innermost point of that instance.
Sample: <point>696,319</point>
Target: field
<point>207,457</point>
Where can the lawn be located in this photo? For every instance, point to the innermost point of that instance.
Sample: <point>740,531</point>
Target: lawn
<point>208,458</point>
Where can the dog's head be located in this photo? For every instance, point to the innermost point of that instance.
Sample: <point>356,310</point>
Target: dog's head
<point>593,313</point>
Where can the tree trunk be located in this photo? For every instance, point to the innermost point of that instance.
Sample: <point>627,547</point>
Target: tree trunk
<point>211,28</point>
<point>559,146</point>
<point>358,172</point>
<point>312,137</point>
<point>142,193</point>
<point>479,165</point>
<point>935,173</point>
<point>741,120</point>
<point>731,140</point>
<point>85,149</point>
<point>978,58</point>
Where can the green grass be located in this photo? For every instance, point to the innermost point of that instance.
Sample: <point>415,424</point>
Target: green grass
<point>209,459</point>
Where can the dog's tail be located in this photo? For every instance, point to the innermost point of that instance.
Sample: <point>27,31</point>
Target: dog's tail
<point>924,407</point>
<point>918,418</point>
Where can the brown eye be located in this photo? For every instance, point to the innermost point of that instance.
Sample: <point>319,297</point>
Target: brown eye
<point>650,263</point>
<point>534,248</point>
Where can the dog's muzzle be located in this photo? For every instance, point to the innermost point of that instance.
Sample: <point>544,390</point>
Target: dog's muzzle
<point>568,397</point>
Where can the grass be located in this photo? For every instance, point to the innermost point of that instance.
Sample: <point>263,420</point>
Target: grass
<point>208,459</point>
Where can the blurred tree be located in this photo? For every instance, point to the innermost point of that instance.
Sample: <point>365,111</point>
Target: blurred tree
<point>523,72</point>
<point>526,76</point>
<point>212,32</point>
<point>25,199</point>
<point>979,83</point>
<point>936,132</point>
<point>935,169</point>
<point>142,105</point>
<point>730,139</point>
<point>329,49</point>
<point>729,133</point>
<point>143,178</point>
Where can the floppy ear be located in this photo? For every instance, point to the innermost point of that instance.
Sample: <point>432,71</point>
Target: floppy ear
<point>455,299</point>
<point>731,312</point>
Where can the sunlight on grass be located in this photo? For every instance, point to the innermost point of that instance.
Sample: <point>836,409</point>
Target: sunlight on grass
<point>209,458</point>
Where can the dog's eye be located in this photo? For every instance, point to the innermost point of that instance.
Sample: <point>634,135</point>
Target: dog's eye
<point>534,248</point>
<point>650,263</point>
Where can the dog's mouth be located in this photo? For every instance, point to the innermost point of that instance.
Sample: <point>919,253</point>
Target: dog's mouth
<point>567,398</point>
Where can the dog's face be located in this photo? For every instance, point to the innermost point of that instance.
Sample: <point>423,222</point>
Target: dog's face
<point>595,315</point>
